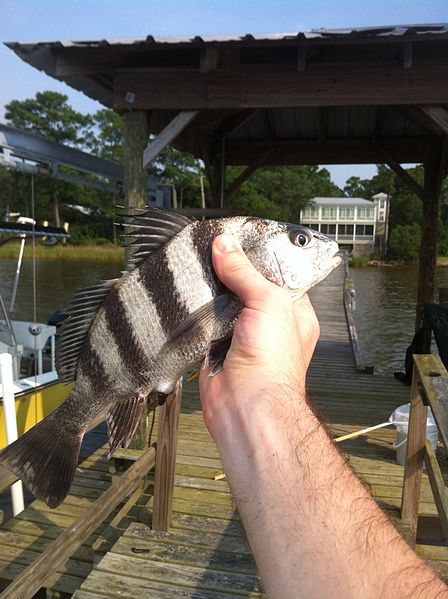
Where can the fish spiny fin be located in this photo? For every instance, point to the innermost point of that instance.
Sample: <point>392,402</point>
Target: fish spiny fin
<point>122,421</point>
<point>150,230</point>
<point>81,310</point>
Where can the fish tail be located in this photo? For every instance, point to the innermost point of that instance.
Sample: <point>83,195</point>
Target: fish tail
<point>45,459</point>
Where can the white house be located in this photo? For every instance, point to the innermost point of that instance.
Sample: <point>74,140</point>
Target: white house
<point>359,224</point>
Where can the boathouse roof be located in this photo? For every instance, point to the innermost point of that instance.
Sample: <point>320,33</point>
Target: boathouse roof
<point>326,96</point>
<point>341,202</point>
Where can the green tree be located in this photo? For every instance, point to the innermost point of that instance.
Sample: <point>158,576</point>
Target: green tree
<point>50,115</point>
<point>281,192</point>
<point>355,187</point>
<point>404,242</point>
<point>105,137</point>
<point>182,170</point>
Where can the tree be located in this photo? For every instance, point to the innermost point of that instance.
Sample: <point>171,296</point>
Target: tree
<point>281,192</point>
<point>105,137</point>
<point>182,170</point>
<point>404,242</point>
<point>50,115</point>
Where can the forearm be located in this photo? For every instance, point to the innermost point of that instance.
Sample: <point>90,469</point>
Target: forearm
<point>313,527</point>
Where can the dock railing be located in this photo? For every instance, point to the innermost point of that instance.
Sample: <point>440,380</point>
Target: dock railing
<point>349,305</point>
<point>429,389</point>
<point>162,455</point>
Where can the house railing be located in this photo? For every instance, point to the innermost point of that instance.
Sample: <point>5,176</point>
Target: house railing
<point>429,389</point>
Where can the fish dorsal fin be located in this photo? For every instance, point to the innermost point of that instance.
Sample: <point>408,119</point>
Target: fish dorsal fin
<point>150,230</point>
<point>81,310</point>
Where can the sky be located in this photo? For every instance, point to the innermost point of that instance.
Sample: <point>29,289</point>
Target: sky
<point>50,20</point>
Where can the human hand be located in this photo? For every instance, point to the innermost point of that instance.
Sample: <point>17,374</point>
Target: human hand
<point>272,344</point>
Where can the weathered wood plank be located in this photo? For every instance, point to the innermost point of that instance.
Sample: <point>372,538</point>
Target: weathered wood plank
<point>166,459</point>
<point>36,574</point>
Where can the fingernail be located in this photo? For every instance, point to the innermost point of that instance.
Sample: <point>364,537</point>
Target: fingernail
<point>226,243</point>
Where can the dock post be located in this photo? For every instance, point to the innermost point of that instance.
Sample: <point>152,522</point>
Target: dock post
<point>166,459</point>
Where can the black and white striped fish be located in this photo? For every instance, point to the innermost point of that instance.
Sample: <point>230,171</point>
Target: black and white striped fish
<point>140,333</point>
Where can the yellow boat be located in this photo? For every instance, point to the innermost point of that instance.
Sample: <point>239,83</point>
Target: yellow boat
<point>35,398</point>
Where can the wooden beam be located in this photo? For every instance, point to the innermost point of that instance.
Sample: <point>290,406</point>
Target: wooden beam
<point>437,115</point>
<point>259,161</point>
<point>168,135</point>
<point>323,86</point>
<point>166,459</point>
<point>418,118</point>
<point>209,59</point>
<point>407,55</point>
<point>402,173</point>
<point>301,58</point>
<point>232,122</point>
<point>333,151</point>
<point>415,452</point>
<point>35,575</point>
<point>428,241</point>
<point>135,183</point>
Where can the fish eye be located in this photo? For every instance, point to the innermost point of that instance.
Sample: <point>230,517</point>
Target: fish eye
<point>301,239</point>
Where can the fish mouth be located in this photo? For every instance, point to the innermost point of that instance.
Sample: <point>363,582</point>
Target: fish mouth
<point>334,263</point>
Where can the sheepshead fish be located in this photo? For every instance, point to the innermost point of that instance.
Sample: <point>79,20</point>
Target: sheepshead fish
<point>127,337</point>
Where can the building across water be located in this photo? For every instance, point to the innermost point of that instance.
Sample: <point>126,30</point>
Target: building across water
<point>358,224</point>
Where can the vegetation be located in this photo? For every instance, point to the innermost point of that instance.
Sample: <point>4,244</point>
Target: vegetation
<point>359,261</point>
<point>101,253</point>
<point>272,192</point>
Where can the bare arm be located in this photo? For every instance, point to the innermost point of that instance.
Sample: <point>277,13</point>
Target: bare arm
<point>313,528</point>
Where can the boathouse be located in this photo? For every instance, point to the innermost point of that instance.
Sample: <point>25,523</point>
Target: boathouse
<point>353,96</point>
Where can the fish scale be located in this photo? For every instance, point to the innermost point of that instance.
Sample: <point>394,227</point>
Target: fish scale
<point>127,337</point>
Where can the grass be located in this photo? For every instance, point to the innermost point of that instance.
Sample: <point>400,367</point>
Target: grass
<point>101,253</point>
<point>359,261</point>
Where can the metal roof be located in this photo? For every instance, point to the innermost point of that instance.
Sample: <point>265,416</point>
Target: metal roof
<point>341,202</point>
<point>321,34</point>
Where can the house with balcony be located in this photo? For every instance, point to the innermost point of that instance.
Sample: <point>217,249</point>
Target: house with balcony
<point>357,224</point>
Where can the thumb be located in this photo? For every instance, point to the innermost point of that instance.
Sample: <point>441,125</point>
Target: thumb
<point>236,271</point>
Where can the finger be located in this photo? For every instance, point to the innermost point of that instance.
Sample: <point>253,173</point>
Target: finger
<point>236,271</point>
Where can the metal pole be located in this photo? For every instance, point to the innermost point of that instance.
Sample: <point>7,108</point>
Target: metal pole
<point>16,278</point>
<point>9,409</point>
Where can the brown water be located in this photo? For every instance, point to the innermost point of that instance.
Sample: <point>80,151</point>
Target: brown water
<point>385,312</point>
<point>384,316</point>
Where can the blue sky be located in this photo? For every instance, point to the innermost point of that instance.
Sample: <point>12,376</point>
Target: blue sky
<point>49,20</point>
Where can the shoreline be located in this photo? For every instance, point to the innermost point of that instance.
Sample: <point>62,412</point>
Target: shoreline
<point>93,253</point>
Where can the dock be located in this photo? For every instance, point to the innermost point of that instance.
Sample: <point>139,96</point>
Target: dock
<point>204,554</point>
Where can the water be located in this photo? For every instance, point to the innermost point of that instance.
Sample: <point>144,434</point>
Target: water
<point>385,313</point>
<point>384,316</point>
<point>56,280</point>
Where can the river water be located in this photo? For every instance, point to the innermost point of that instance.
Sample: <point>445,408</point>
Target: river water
<point>384,316</point>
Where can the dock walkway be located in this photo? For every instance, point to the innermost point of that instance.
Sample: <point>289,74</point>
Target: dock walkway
<point>205,554</point>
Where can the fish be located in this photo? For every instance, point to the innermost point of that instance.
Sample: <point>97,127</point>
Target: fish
<point>127,337</point>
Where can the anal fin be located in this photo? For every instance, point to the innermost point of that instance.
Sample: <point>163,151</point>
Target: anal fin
<point>122,421</point>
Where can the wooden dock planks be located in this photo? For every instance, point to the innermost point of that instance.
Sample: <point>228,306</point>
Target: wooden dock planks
<point>205,554</point>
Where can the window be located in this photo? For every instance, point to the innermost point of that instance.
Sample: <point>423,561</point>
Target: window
<point>311,212</point>
<point>328,213</point>
<point>365,213</point>
<point>381,217</point>
<point>332,229</point>
<point>324,229</point>
<point>363,230</point>
<point>346,213</point>
<point>345,230</point>
<point>382,204</point>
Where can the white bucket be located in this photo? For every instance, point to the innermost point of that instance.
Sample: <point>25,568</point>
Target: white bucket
<point>400,418</point>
